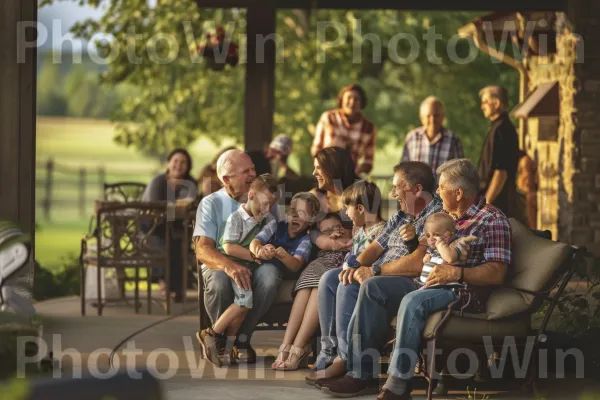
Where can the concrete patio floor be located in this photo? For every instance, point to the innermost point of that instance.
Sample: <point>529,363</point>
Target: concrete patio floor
<point>170,350</point>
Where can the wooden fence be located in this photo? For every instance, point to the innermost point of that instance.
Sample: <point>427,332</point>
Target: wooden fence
<point>75,188</point>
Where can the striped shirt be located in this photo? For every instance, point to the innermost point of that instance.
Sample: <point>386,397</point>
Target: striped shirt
<point>361,239</point>
<point>334,130</point>
<point>428,266</point>
<point>444,146</point>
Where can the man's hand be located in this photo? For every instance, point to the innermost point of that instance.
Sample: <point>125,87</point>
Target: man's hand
<point>443,274</point>
<point>281,253</point>
<point>408,232</point>
<point>362,274</point>
<point>347,276</point>
<point>240,275</point>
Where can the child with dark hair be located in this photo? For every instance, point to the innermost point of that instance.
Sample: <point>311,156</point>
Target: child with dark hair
<point>331,225</point>
<point>363,206</point>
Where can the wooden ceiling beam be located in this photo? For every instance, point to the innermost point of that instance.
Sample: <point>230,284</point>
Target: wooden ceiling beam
<point>421,5</point>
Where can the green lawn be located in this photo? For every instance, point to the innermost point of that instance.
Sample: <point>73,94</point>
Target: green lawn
<point>84,143</point>
<point>78,143</point>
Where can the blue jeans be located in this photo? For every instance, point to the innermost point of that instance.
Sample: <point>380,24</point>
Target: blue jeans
<point>336,304</point>
<point>378,303</point>
<point>219,295</point>
<point>412,315</point>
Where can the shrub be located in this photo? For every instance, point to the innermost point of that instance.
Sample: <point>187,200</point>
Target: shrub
<point>64,280</point>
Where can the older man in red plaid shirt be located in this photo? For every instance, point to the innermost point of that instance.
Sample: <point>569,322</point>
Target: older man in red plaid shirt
<point>348,128</point>
<point>485,266</point>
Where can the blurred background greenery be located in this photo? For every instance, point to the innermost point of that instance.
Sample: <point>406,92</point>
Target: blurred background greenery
<point>124,117</point>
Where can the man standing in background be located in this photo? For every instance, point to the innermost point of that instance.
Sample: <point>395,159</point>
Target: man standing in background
<point>432,143</point>
<point>499,156</point>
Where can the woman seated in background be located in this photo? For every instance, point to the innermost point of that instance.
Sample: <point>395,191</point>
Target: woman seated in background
<point>174,185</point>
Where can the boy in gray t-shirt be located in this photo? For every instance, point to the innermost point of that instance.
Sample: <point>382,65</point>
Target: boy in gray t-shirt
<point>241,228</point>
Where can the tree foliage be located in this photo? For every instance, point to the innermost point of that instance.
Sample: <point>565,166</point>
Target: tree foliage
<point>179,99</point>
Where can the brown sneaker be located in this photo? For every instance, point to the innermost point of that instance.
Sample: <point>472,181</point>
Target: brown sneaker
<point>347,386</point>
<point>326,382</point>
<point>210,346</point>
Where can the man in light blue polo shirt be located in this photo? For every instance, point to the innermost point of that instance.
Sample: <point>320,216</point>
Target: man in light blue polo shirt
<point>236,171</point>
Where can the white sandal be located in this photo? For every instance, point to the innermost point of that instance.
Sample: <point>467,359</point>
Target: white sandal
<point>282,355</point>
<point>298,358</point>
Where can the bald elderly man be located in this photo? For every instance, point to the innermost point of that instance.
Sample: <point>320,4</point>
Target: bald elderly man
<point>432,143</point>
<point>236,172</point>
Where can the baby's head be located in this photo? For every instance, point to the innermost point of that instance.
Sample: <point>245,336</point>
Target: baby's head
<point>303,210</point>
<point>438,225</point>
<point>332,222</point>
<point>262,195</point>
<point>360,199</point>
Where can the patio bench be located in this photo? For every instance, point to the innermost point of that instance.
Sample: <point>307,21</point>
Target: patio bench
<point>540,272</point>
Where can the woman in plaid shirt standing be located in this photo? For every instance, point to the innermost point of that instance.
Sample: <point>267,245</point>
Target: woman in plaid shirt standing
<point>348,128</point>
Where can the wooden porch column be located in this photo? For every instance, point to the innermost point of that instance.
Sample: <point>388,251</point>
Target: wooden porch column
<point>17,113</point>
<point>260,77</point>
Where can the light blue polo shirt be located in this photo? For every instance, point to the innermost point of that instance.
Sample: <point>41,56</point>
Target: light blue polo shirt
<point>213,212</point>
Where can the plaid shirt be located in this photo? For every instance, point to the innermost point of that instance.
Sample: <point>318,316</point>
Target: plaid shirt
<point>390,240</point>
<point>445,146</point>
<point>334,130</point>
<point>493,233</point>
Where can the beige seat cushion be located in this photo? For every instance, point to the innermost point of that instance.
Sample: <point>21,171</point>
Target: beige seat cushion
<point>535,260</point>
<point>284,295</point>
<point>474,327</point>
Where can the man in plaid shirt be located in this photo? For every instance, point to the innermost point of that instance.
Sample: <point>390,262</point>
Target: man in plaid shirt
<point>432,143</point>
<point>348,128</point>
<point>485,267</point>
<point>365,302</point>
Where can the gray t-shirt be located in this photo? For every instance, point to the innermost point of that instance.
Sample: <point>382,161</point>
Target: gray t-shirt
<point>159,190</point>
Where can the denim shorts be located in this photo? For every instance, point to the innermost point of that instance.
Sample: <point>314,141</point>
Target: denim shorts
<point>243,298</point>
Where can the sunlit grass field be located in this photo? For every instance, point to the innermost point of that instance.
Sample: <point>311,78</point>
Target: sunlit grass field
<point>80,143</point>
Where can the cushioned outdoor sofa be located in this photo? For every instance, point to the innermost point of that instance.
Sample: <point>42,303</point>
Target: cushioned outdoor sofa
<point>540,272</point>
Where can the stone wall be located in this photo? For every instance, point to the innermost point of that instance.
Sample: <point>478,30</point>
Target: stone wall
<point>569,194</point>
<point>554,159</point>
<point>584,17</point>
